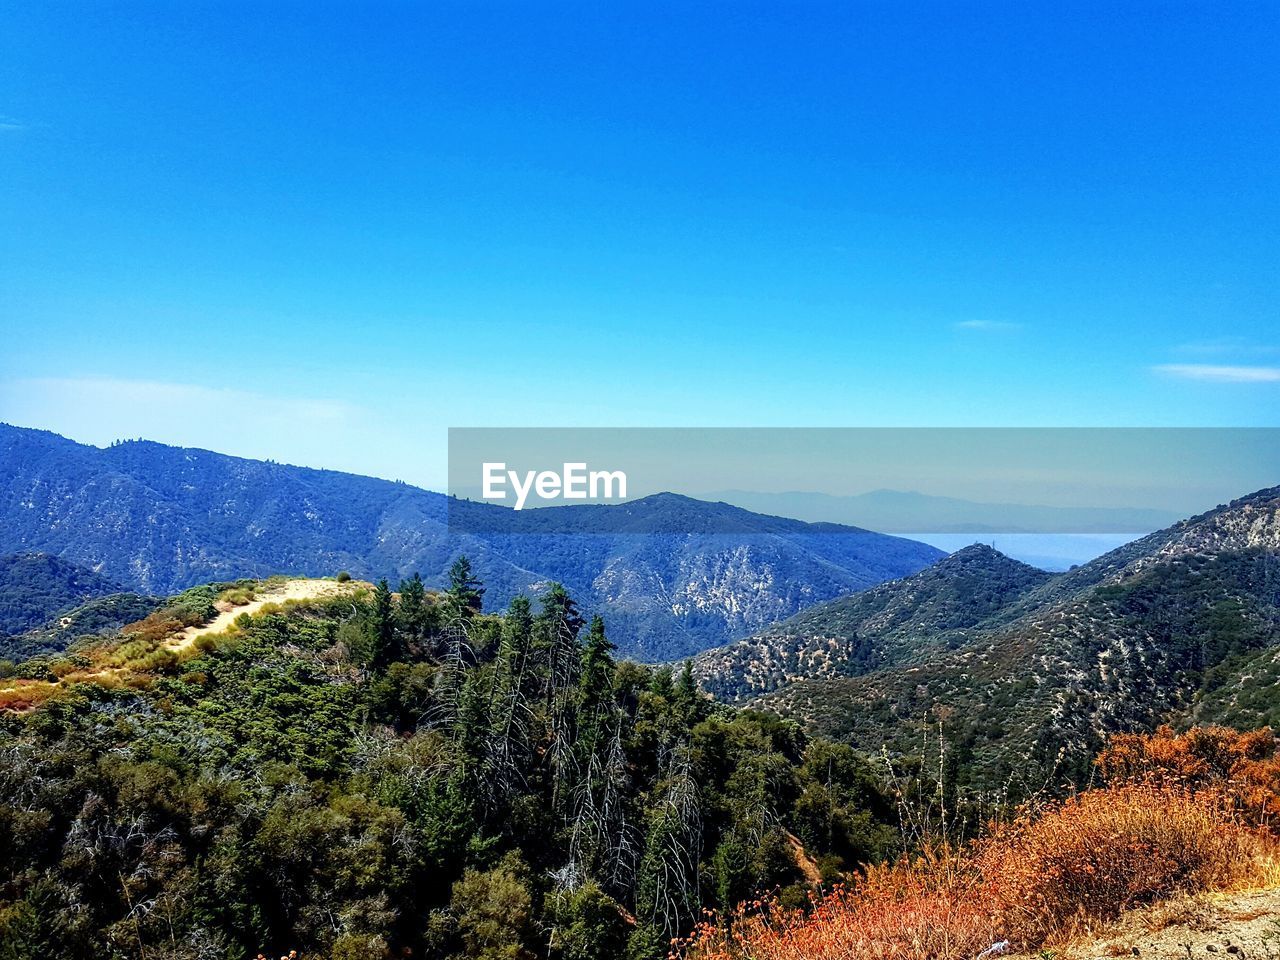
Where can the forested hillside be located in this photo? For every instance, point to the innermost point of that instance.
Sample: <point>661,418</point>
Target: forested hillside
<point>365,773</point>
<point>896,622</point>
<point>673,575</point>
<point>34,587</point>
<point>1183,626</point>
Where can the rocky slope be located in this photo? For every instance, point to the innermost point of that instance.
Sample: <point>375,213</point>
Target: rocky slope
<point>936,609</point>
<point>1182,625</point>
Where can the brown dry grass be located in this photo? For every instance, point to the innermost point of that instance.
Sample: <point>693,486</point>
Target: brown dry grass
<point>1042,879</point>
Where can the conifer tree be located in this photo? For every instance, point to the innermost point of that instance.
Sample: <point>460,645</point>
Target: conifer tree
<point>511,708</point>
<point>465,594</point>
<point>595,689</point>
<point>384,627</point>
<point>413,612</point>
<point>689,699</point>
<point>557,629</point>
<point>667,895</point>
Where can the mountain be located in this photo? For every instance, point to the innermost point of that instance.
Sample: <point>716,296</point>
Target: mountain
<point>158,519</point>
<point>85,623</point>
<point>1030,672</point>
<point>938,608</point>
<point>904,511</point>
<point>35,587</point>
<point>335,778</point>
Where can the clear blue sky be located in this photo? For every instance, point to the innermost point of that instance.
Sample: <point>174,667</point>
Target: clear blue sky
<point>325,232</point>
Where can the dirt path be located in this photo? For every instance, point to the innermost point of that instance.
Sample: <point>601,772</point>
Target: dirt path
<point>1245,926</point>
<point>300,589</point>
<point>22,694</point>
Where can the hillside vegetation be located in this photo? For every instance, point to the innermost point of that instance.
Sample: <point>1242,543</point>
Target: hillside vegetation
<point>1027,673</point>
<point>1179,815</point>
<point>937,609</point>
<point>35,588</point>
<point>360,774</point>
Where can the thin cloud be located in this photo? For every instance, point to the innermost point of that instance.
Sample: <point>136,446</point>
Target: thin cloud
<point>188,397</point>
<point>1213,373</point>
<point>1238,346</point>
<point>990,326</point>
<point>11,125</point>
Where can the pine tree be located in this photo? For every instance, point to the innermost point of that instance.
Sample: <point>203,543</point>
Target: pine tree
<point>556,631</point>
<point>688,698</point>
<point>595,690</point>
<point>667,893</point>
<point>413,612</point>
<point>470,728</point>
<point>661,684</point>
<point>384,628</point>
<point>511,710</point>
<point>461,604</point>
<point>464,596</point>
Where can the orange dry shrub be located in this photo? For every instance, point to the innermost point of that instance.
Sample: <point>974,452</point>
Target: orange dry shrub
<point>1037,880</point>
<point>158,626</point>
<point>1105,851</point>
<point>1243,766</point>
<point>902,914</point>
<point>23,695</point>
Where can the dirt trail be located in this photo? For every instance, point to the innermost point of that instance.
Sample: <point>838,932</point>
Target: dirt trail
<point>299,589</point>
<point>22,694</point>
<point>1245,926</point>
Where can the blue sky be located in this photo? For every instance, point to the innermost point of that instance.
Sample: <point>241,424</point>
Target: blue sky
<point>324,233</point>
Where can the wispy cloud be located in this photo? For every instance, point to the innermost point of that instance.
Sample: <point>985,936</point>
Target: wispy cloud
<point>1222,346</point>
<point>990,326</point>
<point>1214,373</point>
<point>11,124</point>
<point>190,399</point>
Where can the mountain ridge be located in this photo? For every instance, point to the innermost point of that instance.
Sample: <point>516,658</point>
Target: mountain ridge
<point>160,518</point>
<point>35,587</point>
<point>1180,626</point>
<point>889,623</point>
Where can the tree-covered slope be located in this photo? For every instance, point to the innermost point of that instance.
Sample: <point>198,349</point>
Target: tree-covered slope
<point>890,624</point>
<point>674,575</point>
<point>36,587</point>
<point>84,623</point>
<point>360,775</point>
<point>1180,626</point>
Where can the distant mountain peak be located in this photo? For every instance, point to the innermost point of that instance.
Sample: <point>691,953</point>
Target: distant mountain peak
<point>977,557</point>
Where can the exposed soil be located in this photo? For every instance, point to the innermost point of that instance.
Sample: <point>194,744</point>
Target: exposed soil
<point>299,589</point>
<point>1244,926</point>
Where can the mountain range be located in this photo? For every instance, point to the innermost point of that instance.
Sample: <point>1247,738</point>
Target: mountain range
<point>907,511</point>
<point>1029,671</point>
<point>156,519</point>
